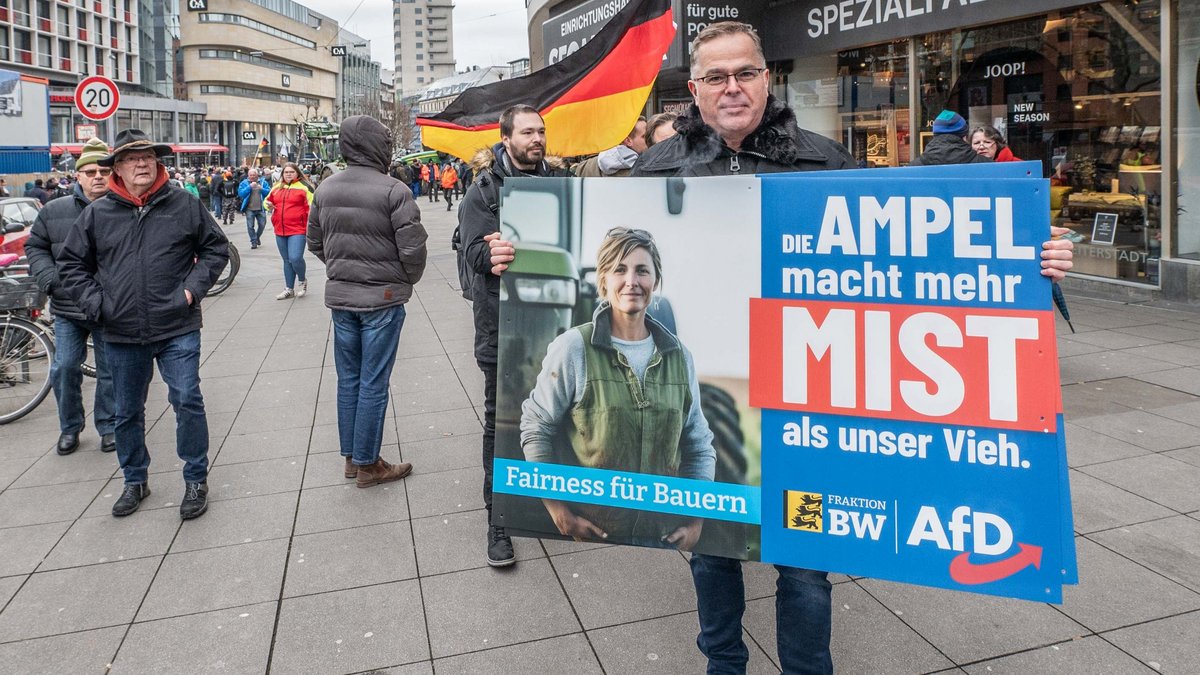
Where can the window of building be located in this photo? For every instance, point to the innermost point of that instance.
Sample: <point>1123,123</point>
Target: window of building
<point>420,80</point>
<point>1077,89</point>
<point>420,57</point>
<point>43,9</point>
<point>244,57</point>
<point>246,92</point>
<point>1187,138</point>
<point>235,19</point>
<point>4,46</point>
<point>21,13</point>
<point>419,22</point>
<point>416,10</point>
<point>420,45</point>
<point>64,21</point>
<point>64,55</point>
<point>84,53</point>
<point>420,33</point>
<point>23,47</point>
<point>44,58</point>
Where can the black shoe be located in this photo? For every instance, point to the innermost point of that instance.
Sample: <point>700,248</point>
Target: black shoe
<point>68,443</point>
<point>195,500</point>
<point>130,499</point>
<point>253,245</point>
<point>500,548</point>
<point>108,443</point>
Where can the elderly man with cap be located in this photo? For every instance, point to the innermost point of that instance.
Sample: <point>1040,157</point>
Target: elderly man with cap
<point>138,263</point>
<point>71,329</point>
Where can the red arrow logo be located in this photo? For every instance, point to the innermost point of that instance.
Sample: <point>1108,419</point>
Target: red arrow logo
<point>964,571</point>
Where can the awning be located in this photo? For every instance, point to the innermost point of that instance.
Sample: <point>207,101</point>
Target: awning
<point>177,148</point>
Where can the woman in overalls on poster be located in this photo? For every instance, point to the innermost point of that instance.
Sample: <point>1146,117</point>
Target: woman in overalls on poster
<point>624,391</point>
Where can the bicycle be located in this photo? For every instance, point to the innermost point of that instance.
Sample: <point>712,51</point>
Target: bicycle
<point>26,348</point>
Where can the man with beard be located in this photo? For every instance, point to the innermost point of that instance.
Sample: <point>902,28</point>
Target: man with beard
<point>520,152</point>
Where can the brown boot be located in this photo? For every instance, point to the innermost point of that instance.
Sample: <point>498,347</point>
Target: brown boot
<point>382,472</point>
<point>351,468</point>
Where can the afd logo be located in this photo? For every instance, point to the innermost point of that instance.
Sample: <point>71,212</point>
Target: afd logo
<point>197,5</point>
<point>990,535</point>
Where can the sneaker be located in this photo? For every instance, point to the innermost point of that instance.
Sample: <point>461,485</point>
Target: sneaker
<point>499,548</point>
<point>381,472</point>
<point>351,468</point>
<point>130,499</point>
<point>302,289</point>
<point>195,500</point>
<point>287,293</point>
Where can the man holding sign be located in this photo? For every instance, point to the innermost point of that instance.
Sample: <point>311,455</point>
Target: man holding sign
<point>736,127</point>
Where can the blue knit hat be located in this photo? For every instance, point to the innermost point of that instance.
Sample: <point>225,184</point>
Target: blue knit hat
<point>949,122</point>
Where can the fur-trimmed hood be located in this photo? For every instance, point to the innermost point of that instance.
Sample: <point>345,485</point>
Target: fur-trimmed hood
<point>778,141</point>
<point>496,159</point>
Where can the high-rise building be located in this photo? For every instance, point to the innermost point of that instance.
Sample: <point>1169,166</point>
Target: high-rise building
<point>424,38</point>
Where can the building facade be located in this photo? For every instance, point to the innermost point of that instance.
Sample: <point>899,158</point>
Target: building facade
<point>358,81</point>
<point>262,67</point>
<point>424,34</point>
<point>1104,94</point>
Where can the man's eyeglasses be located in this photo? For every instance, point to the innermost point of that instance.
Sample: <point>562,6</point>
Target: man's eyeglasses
<point>134,159</point>
<point>92,173</point>
<point>719,79</point>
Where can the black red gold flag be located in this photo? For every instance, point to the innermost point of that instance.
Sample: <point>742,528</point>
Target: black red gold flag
<point>590,100</point>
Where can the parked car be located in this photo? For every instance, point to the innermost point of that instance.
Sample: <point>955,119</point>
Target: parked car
<point>17,215</point>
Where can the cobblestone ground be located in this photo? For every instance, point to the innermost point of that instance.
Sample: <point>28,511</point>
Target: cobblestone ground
<point>293,570</point>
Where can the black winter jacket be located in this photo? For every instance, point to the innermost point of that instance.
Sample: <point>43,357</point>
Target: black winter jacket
<point>46,239</point>
<point>365,225</point>
<point>127,266</point>
<point>948,149</point>
<point>479,216</point>
<point>777,145</point>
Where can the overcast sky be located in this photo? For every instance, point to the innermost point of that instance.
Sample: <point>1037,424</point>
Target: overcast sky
<point>486,32</point>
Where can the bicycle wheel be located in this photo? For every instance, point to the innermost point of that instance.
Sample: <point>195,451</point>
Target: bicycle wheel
<point>229,273</point>
<point>26,353</point>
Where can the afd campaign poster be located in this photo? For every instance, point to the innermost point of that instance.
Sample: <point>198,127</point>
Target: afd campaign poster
<point>854,372</point>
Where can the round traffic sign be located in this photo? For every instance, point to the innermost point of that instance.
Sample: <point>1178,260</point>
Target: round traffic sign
<point>97,98</point>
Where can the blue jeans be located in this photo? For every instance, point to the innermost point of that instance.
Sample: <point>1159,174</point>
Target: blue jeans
<point>416,188</point>
<point>215,201</point>
<point>291,249</point>
<point>255,233</point>
<point>132,365</point>
<point>70,350</point>
<point>364,350</point>
<point>802,617</point>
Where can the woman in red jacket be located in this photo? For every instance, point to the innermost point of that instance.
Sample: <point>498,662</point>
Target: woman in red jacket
<point>288,203</point>
<point>987,141</point>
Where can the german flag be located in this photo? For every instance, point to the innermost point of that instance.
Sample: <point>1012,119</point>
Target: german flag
<point>590,100</point>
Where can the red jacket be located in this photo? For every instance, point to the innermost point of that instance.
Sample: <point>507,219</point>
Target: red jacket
<point>289,208</point>
<point>1006,155</point>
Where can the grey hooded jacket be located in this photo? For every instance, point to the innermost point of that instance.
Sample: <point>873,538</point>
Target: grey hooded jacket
<point>365,226</point>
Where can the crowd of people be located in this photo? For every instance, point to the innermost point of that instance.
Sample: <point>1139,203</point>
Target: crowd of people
<point>128,254</point>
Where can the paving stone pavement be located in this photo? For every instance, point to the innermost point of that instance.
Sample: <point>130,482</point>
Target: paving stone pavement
<point>293,570</point>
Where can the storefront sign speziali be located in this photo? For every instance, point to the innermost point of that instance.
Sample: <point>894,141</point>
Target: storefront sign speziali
<point>833,25</point>
<point>878,397</point>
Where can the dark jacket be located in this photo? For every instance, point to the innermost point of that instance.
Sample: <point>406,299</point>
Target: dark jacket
<point>39,194</point>
<point>46,239</point>
<point>777,145</point>
<point>127,265</point>
<point>228,188</point>
<point>479,216</point>
<point>948,149</point>
<point>365,225</point>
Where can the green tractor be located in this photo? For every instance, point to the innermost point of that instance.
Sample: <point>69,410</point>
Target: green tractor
<point>546,291</point>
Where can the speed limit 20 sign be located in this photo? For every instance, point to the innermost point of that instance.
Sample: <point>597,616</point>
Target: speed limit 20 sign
<point>97,98</point>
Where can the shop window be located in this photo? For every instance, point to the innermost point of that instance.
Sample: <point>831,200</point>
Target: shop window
<point>859,97</point>
<point>1187,139</point>
<point>1078,90</point>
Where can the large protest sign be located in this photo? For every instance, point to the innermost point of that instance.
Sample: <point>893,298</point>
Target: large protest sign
<point>874,358</point>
